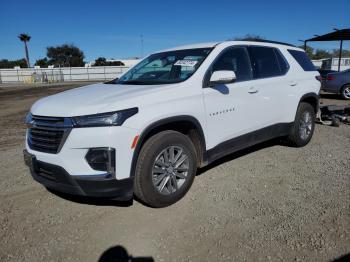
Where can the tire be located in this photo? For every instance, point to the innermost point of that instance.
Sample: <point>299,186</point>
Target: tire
<point>335,121</point>
<point>154,182</point>
<point>302,130</point>
<point>345,92</point>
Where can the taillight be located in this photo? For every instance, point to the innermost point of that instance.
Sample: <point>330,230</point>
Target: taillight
<point>319,78</point>
<point>330,77</point>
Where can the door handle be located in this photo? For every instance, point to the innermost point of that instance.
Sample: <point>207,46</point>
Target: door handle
<point>293,83</point>
<point>253,90</point>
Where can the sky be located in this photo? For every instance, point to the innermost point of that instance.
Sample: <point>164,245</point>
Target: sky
<point>113,29</point>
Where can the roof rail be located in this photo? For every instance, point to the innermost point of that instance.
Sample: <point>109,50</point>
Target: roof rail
<point>268,41</point>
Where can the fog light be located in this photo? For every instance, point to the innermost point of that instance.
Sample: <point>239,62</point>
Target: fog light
<point>102,159</point>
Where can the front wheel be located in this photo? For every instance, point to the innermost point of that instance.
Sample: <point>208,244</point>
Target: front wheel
<point>165,169</point>
<point>303,126</point>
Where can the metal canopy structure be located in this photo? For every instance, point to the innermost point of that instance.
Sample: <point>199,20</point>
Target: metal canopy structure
<point>338,35</point>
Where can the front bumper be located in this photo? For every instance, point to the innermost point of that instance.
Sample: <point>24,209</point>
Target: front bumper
<point>80,140</point>
<point>57,178</point>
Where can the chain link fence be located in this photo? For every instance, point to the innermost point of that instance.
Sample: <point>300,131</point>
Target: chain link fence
<point>63,74</point>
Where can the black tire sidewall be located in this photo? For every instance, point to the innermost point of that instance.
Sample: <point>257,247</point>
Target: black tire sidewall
<point>152,148</point>
<point>296,138</point>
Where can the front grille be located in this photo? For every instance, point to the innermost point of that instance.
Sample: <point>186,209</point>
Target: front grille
<point>47,134</point>
<point>45,120</point>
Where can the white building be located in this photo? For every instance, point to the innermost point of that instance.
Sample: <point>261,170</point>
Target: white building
<point>332,63</point>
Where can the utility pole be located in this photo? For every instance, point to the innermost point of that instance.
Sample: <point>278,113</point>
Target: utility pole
<point>340,53</point>
<point>340,49</point>
<point>141,38</point>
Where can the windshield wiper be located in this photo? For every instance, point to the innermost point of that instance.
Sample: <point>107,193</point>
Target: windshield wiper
<point>135,82</point>
<point>112,82</point>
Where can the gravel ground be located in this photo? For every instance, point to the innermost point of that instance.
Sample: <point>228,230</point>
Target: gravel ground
<point>269,202</point>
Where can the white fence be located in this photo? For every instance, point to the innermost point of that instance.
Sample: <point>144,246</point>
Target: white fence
<point>63,74</point>
<point>332,63</point>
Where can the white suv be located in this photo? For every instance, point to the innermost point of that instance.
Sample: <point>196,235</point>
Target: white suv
<point>146,133</point>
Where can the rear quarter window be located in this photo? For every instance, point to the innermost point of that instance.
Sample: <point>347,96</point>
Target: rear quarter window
<point>303,60</point>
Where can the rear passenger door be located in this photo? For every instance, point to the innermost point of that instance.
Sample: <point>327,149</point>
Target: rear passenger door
<point>270,84</point>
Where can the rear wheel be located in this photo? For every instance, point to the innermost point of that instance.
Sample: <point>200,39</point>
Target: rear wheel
<point>345,92</point>
<point>165,169</point>
<point>304,125</point>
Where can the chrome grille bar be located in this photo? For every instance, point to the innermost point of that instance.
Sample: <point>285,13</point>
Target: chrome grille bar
<point>48,134</point>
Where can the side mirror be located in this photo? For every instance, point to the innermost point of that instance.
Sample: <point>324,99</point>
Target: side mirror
<point>222,77</point>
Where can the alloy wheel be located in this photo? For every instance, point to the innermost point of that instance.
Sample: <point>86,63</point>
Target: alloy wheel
<point>170,170</point>
<point>305,125</point>
<point>346,92</point>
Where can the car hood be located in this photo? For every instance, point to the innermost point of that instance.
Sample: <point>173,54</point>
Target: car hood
<point>93,99</point>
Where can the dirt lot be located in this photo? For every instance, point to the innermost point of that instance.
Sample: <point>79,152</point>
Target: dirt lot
<point>270,202</point>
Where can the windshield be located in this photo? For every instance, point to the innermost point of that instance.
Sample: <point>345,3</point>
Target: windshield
<point>165,68</point>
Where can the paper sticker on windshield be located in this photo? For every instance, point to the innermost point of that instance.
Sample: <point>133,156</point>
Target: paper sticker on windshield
<point>186,63</point>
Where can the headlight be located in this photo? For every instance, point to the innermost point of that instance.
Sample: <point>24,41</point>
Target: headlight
<point>105,119</point>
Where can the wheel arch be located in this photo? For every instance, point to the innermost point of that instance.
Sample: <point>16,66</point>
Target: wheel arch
<point>185,124</point>
<point>312,99</point>
<point>342,87</point>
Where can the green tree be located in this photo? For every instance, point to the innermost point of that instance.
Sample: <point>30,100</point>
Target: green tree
<point>115,63</point>
<point>320,54</point>
<point>42,62</point>
<point>25,39</point>
<point>101,61</point>
<point>344,53</point>
<point>65,55</point>
<point>4,63</point>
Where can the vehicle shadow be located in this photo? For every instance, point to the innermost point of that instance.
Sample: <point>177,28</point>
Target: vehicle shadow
<point>92,200</point>
<point>240,153</point>
<point>127,203</point>
<point>343,258</point>
<point>120,254</point>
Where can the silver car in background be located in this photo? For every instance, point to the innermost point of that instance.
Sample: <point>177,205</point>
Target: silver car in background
<point>338,83</point>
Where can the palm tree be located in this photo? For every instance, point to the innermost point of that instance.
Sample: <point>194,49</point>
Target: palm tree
<point>25,38</point>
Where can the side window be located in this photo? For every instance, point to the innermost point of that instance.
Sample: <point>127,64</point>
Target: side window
<point>303,60</point>
<point>265,62</point>
<point>237,60</point>
<point>284,66</point>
